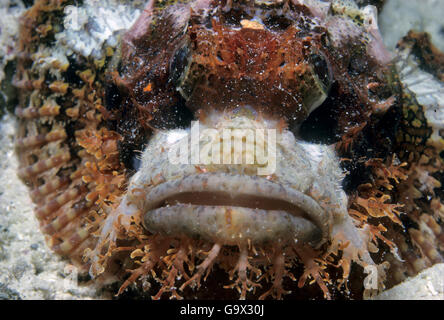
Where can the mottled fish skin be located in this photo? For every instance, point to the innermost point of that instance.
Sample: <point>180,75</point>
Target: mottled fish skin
<point>106,89</point>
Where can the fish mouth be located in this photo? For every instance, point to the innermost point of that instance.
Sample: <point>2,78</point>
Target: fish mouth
<point>231,209</point>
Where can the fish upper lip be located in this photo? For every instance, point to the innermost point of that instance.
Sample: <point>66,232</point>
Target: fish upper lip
<point>232,190</point>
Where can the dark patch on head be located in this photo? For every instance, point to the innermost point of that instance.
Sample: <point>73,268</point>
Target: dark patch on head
<point>28,3</point>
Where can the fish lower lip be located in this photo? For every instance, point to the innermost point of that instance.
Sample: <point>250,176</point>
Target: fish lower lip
<point>230,208</point>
